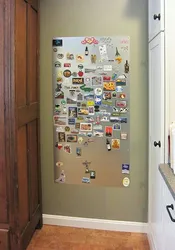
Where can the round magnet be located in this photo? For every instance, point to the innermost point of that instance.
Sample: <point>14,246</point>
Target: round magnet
<point>67,129</point>
<point>55,49</point>
<point>74,74</point>
<point>80,66</point>
<point>60,56</point>
<point>63,102</point>
<point>58,64</point>
<point>67,73</point>
<point>126,182</point>
<point>80,73</point>
<point>59,164</point>
<point>98,91</point>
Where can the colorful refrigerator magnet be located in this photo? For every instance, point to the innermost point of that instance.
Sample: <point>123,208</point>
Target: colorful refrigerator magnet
<point>126,182</point>
<point>125,168</point>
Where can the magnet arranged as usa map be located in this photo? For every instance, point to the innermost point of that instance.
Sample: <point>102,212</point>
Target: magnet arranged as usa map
<point>91,110</point>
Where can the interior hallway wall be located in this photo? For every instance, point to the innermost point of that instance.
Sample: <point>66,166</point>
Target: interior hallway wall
<point>97,18</point>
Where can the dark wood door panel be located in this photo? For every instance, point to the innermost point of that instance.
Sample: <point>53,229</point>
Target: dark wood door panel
<point>34,4</point>
<point>33,166</point>
<point>20,52</point>
<point>4,240</point>
<point>3,191</point>
<point>23,191</point>
<point>27,114</point>
<point>32,55</point>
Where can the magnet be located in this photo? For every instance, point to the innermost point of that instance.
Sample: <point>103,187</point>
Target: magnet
<point>59,95</point>
<point>78,104</point>
<point>89,134</point>
<point>58,87</point>
<point>109,86</point>
<point>80,140</point>
<point>123,136</point>
<point>80,118</point>
<point>71,138</point>
<point>77,125</point>
<point>98,133</point>
<point>89,97</point>
<point>80,97</point>
<point>86,89</point>
<point>114,109</point>
<point>74,74</point>
<point>98,127</point>
<point>121,104</point>
<point>117,126</point>
<point>67,65</point>
<point>126,182</point>
<point>82,133</point>
<point>78,81</point>
<point>63,102</point>
<point>60,73</point>
<point>78,152</point>
<point>72,112</point>
<point>88,80</point>
<point>61,137</point>
<point>80,58</point>
<point>67,129</point>
<point>69,56</point>
<point>115,114</point>
<point>59,164</point>
<point>107,67</point>
<point>60,56</point>
<point>126,67</point>
<point>86,51</point>
<point>59,146</point>
<point>91,110</point>
<point>97,81</point>
<point>57,108</point>
<point>120,82</point>
<point>106,78</point>
<point>83,111</point>
<point>97,119</point>
<point>89,119</point>
<point>86,127</point>
<point>108,131</point>
<point>118,57</point>
<point>85,180</point>
<point>103,49</point>
<point>92,174</point>
<point>57,42</point>
<point>60,129</point>
<point>122,77</point>
<point>87,171</point>
<point>57,64</point>
<point>114,76</point>
<point>85,143</point>
<point>71,121</point>
<point>74,131</point>
<point>96,108</point>
<point>71,101</point>
<point>67,149</point>
<point>55,49</point>
<point>72,94</point>
<point>114,94</point>
<point>93,58</point>
<point>115,143</point>
<point>119,89</point>
<point>107,102</point>
<point>80,73</point>
<point>90,103</point>
<point>89,40</point>
<point>107,95</point>
<point>80,66</point>
<point>86,163</point>
<point>67,73</point>
<point>125,168</point>
<point>90,70</point>
<point>98,100</point>
<point>104,119</point>
<point>98,91</point>
<point>123,110</point>
<point>59,79</point>
<point>61,178</point>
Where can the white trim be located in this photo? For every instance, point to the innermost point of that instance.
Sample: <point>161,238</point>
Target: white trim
<point>151,239</point>
<point>111,225</point>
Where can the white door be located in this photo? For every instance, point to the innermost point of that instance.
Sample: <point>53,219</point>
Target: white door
<point>156,132</point>
<point>156,17</point>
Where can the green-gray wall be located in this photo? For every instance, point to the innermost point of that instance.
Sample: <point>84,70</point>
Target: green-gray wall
<point>97,18</point>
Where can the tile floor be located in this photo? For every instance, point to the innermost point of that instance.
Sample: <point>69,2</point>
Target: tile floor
<point>67,238</point>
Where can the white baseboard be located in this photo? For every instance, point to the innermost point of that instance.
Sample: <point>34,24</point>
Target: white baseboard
<point>111,225</point>
<point>150,239</point>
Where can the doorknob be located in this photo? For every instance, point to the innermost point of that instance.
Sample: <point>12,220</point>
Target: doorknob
<point>156,16</point>
<point>157,144</point>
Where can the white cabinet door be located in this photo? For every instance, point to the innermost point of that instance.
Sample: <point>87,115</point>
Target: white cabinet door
<point>156,17</point>
<point>168,220</point>
<point>156,133</point>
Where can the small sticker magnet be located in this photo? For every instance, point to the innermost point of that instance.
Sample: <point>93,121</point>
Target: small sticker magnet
<point>123,136</point>
<point>59,129</point>
<point>92,174</point>
<point>119,89</point>
<point>109,86</point>
<point>98,91</point>
<point>67,65</point>
<point>90,103</point>
<point>121,104</point>
<point>85,127</point>
<point>89,40</point>
<point>59,164</point>
<point>61,137</point>
<point>108,131</point>
<point>93,58</point>
<point>71,121</point>
<point>91,110</point>
<point>72,112</point>
<point>71,138</point>
<point>126,182</point>
<point>107,67</point>
<point>67,73</point>
<point>80,140</point>
<point>61,178</point>
<point>67,149</point>
<point>97,81</point>
<point>57,64</point>
<point>60,56</point>
<point>117,126</point>
<point>80,73</point>
<point>85,180</point>
<point>67,128</point>
<point>125,168</point>
<point>57,42</point>
<point>69,56</point>
<point>59,146</point>
<point>80,58</point>
<point>122,96</point>
<point>78,152</point>
<point>115,143</point>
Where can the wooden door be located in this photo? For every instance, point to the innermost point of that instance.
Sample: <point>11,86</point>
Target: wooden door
<point>156,132</point>
<point>27,119</point>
